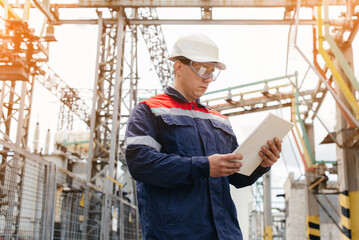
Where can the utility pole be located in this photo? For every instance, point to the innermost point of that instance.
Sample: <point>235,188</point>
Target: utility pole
<point>348,162</point>
<point>268,231</point>
<point>312,206</point>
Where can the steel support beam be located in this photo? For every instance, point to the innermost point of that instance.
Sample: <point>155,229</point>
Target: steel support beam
<point>15,109</point>
<point>185,3</point>
<point>260,22</point>
<point>203,4</point>
<point>129,96</point>
<point>115,125</point>
<point>218,22</point>
<point>353,32</point>
<point>264,103</point>
<point>44,7</point>
<point>104,96</point>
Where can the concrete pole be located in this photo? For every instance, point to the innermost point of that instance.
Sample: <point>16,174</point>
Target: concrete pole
<point>37,138</point>
<point>348,165</point>
<point>47,144</point>
<point>312,206</point>
<point>268,231</point>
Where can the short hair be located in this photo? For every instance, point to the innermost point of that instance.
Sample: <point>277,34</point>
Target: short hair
<point>183,60</point>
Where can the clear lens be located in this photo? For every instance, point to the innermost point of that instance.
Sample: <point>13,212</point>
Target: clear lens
<point>205,70</point>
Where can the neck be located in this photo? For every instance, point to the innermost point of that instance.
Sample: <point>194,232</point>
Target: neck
<point>178,88</point>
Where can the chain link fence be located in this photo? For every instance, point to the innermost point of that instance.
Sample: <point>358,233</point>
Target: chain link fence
<point>40,201</point>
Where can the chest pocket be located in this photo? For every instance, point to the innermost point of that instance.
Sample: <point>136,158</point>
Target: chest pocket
<point>178,135</point>
<point>224,137</point>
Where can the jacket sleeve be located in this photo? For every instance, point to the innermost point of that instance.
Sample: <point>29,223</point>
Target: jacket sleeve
<point>238,180</point>
<point>145,161</point>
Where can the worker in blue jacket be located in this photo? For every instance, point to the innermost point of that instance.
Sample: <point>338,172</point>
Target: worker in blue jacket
<point>180,153</point>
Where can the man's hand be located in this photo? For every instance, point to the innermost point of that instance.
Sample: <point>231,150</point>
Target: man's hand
<point>271,155</point>
<point>221,165</point>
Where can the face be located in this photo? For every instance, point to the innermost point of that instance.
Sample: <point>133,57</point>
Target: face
<point>188,82</point>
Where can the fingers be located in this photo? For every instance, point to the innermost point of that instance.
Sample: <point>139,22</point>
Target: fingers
<point>278,143</point>
<point>266,161</point>
<point>232,166</point>
<point>231,156</point>
<point>274,148</point>
<point>231,161</point>
<point>272,154</point>
<point>224,165</point>
<point>229,172</point>
<point>225,171</point>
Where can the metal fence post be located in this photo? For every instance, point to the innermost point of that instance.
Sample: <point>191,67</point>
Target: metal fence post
<point>122,218</point>
<point>106,216</point>
<point>86,212</point>
<point>137,212</point>
<point>11,182</point>
<point>50,202</point>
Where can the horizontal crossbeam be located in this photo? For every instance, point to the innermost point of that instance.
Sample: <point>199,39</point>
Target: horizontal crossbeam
<point>208,3</point>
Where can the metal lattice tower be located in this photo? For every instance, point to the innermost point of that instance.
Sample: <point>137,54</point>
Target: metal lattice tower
<point>128,101</point>
<point>105,117</point>
<point>66,118</point>
<point>104,131</point>
<point>68,96</point>
<point>17,76</point>
<point>18,68</point>
<point>155,41</point>
<point>115,94</point>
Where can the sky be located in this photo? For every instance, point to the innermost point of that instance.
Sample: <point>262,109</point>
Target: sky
<point>251,53</point>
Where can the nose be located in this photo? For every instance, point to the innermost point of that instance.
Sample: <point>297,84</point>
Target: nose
<point>209,79</point>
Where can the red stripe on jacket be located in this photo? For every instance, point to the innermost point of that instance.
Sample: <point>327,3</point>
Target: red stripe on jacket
<point>165,101</point>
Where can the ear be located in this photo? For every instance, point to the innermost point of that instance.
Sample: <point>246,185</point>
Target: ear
<point>178,67</point>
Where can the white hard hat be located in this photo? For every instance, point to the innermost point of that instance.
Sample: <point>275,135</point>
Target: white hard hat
<point>197,47</point>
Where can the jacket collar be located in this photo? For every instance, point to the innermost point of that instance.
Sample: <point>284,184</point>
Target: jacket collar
<point>170,91</point>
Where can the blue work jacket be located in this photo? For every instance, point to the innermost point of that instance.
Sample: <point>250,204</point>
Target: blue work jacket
<point>168,143</point>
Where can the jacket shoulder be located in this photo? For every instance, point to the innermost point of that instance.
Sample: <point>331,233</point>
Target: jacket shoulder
<point>160,100</point>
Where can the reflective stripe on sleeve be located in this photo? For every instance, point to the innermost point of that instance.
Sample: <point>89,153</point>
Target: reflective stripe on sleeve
<point>143,140</point>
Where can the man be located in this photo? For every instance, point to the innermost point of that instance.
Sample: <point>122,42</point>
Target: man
<point>180,153</point>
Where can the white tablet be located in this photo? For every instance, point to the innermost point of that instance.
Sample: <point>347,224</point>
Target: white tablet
<point>272,126</point>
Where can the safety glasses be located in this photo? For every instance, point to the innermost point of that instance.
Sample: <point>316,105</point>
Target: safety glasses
<point>205,70</point>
